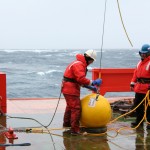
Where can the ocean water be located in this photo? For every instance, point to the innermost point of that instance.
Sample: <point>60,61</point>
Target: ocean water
<point>38,73</point>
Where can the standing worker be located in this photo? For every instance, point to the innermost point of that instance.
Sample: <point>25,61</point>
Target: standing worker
<point>140,84</point>
<point>74,78</point>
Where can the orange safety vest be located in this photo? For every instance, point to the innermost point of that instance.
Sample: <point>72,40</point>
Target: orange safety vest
<point>141,76</point>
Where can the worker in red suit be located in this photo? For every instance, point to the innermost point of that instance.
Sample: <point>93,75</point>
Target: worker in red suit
<point>75,78</point>
<point>140,83</point>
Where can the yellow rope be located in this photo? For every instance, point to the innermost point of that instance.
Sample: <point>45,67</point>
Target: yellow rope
<point>123,24</point>
<point>132,109</point>
<point>146,101</point>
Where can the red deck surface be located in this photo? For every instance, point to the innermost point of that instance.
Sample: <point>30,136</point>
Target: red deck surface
<point>34,105</point>
<point>42,109</point>
<point>43,105</point>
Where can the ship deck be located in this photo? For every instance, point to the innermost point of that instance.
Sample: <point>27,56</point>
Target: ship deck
<point>36,113</point>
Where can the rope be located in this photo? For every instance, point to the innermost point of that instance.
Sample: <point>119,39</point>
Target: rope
<point>117,131</point>
<point>103,31</point>
<point>127,112</point>
<point>145,98</point>
<point>123,24</point>
<point>102,41</point>
<point>147,103</point>
<point>55,111</point>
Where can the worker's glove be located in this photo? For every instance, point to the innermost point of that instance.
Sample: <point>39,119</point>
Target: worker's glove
<point>132,86</point>
<point>93,88</point>
<point>97,82</point>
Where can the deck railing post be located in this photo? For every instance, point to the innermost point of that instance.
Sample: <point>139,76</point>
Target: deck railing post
<point>3,97</point>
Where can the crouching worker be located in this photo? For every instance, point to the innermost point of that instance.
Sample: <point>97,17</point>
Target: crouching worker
<point>75,78</point>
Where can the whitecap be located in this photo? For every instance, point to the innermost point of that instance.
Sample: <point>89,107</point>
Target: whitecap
<point>48,72</point>
<point>41,73</point>
<point>29,50</point>
<point>52,71</point>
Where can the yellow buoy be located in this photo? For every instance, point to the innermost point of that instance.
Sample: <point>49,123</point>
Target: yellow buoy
<point>95,112</point>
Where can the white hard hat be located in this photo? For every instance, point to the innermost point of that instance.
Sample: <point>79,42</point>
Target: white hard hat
<point>91,53</point>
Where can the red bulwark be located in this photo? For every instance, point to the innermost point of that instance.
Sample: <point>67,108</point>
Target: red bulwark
<point>113,79</point>
<point>3,93</point>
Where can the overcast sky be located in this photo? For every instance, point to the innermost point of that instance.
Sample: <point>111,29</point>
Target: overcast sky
<point>65,24</point>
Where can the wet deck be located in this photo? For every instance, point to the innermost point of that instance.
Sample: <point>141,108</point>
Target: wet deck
<point>36,112</point>
<point>43,105</point>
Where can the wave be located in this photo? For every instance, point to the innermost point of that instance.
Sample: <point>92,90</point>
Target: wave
<point>30,50</point>
<point>49,72</point>
<point>40,50</point>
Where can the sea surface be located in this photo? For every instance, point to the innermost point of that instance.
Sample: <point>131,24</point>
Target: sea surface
<point>38,73</point>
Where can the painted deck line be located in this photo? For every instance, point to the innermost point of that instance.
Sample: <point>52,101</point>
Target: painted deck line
<point>44,105</point>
